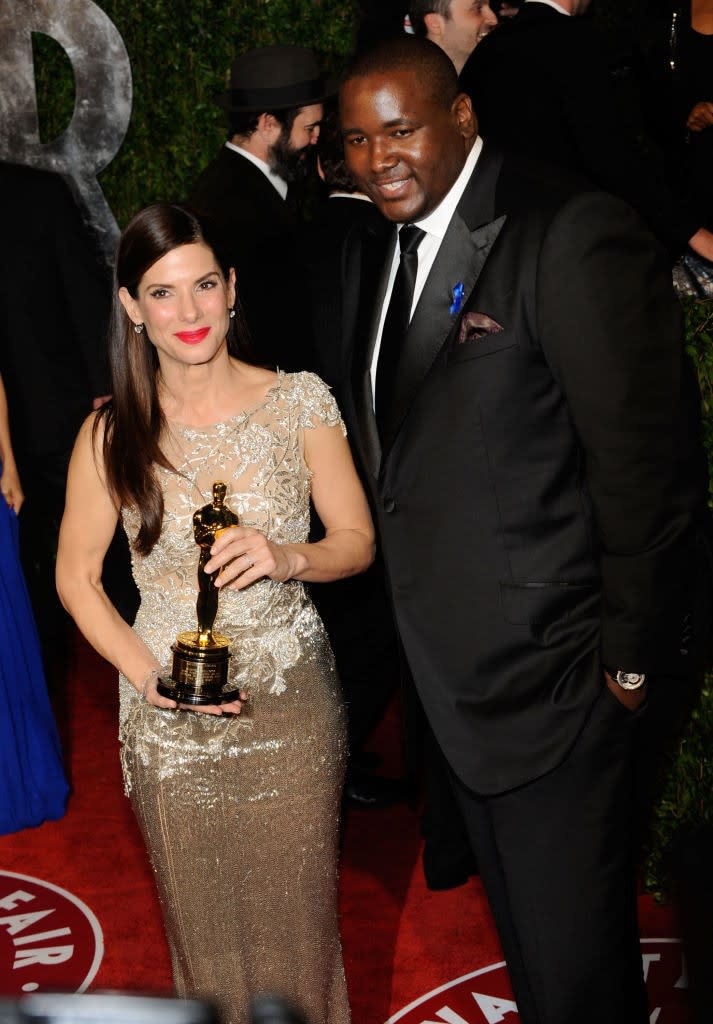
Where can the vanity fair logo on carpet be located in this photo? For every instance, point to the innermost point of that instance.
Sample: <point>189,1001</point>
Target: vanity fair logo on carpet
<point>485,997</point>
<point>49,939</point>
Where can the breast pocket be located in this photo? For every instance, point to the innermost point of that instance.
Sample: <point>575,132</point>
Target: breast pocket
<point>487,345</point>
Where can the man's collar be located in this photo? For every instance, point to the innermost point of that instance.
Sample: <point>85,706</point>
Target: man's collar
<point>349,195</point>
<point>551,3</point>
<point>275,180</point>
<point>437,221</point>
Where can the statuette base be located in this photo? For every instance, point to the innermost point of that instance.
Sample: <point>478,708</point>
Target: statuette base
<point>199,671</point>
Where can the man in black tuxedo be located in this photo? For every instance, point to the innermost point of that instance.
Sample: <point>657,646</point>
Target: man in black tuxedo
<point>541,87</point>
<point>275,109</point>
<point>538,485</point>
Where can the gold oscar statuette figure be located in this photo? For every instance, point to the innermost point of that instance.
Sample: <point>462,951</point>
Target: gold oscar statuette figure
<point>199,671</point>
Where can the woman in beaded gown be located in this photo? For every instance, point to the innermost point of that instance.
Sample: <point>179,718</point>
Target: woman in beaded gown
<point>238,802</point>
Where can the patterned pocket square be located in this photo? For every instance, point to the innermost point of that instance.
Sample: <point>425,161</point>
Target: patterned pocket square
<point>477,325</point>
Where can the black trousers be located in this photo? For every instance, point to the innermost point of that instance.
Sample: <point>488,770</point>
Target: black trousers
<point>556,858</point>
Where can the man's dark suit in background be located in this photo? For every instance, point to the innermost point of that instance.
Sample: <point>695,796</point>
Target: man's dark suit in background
<point>261,232</point>
<point>356,611</point>
<point>257,187</point>
<point>54,304</point>
<point>540,87</point>
<point>323,243</point>
<point>54,301</point>
<point>540,486</point>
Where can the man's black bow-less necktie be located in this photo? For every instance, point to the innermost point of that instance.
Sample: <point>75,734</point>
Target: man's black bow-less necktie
<point>396,321</point>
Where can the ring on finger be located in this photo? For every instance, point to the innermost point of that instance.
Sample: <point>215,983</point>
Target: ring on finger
<point>249,560</point>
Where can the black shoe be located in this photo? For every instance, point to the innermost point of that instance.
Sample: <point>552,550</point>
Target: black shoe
<point>367,791</point>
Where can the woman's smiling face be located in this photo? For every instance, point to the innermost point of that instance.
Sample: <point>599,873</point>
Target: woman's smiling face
<point>184,302</point>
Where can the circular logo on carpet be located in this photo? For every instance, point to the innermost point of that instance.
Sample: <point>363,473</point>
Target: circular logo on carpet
<point>485,996</point>
<point>49,939</point>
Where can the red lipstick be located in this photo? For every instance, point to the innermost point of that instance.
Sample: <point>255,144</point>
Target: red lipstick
<point>192,337</point>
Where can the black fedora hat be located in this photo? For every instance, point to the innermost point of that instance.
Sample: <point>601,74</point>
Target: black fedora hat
<point>275,78</point>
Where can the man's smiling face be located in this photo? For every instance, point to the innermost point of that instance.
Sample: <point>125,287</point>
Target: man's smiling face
<point>403,145</point>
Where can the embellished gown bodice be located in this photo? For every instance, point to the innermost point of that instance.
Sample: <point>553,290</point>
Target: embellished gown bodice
<point>259,453</point>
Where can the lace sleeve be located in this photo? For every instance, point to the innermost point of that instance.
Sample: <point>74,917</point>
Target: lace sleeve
<point>317,403</point>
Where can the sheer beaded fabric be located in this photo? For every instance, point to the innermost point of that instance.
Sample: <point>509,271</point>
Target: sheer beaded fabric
<point>240,814</point>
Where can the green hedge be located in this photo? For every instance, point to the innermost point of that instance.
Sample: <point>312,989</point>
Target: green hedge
<point>180,52</point>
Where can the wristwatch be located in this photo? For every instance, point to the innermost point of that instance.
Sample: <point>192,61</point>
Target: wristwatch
<point>630,680</point>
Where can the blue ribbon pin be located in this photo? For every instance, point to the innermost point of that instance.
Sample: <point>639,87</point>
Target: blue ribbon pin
<point>457,298</point>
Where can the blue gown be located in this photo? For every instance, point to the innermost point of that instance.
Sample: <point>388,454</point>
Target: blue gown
<point>33,787</point>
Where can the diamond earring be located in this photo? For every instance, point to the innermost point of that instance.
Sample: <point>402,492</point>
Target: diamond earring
<point>232,314</point>
<point>138,328</point>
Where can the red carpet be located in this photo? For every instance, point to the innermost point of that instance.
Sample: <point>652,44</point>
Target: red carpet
<point>401,942</point>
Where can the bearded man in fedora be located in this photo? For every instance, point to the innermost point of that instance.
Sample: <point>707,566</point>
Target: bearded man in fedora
<point>274,107</point>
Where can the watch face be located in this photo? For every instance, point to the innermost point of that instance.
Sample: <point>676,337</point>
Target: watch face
<point>630,680</point>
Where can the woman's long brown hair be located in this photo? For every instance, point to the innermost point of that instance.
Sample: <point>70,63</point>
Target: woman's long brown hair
<point>134,421</point>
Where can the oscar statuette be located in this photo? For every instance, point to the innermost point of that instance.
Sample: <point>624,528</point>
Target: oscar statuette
<point>200,657</point>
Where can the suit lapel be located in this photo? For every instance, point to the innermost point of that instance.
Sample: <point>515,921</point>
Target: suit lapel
<point>460,260</point>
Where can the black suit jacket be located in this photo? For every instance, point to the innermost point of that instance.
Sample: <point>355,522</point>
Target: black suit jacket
<point>54,304</point>
<point>323,249</point>
<point>260,233</point>
<point>540,87</point>
<point>537,484</point>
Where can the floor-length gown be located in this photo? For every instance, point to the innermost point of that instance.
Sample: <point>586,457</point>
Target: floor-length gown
<point>240,815</point>
<point>33,787</point>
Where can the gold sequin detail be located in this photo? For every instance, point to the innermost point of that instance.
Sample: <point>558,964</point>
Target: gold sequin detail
<point>240,815</point>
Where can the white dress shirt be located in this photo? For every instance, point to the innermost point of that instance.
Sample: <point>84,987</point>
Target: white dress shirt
<point>435,225</point>
<point>275,180</point>
<point>348,195</point>
<point>551,3</point>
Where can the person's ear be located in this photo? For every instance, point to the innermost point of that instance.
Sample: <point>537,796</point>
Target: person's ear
<point>269,128</point>
<point>231,287</point>
<point>434,25</point>
<point>130,305</point>
<point>462,110</point>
